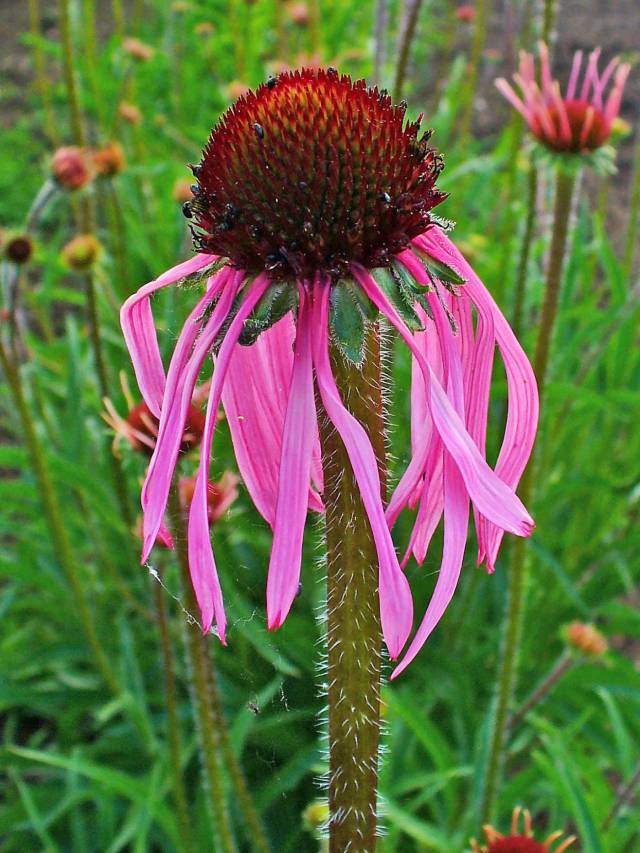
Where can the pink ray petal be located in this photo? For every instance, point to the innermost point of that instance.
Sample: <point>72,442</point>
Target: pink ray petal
<point>490,494</point>
<point>140,333</point>
<point>456,515</point>
<point>294,475</point>
<point>522,417</point>
<point>202,565</point>
<point>573,78</point>
<point>254,399</point>
<point>182,377</point>
<point>396,607</point>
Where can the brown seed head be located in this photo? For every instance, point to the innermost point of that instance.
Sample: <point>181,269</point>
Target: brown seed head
<point>109,160</point>
<point>586,638</point>
<point>70,167</point>
<point>82,252</point>
<point>18,249</point>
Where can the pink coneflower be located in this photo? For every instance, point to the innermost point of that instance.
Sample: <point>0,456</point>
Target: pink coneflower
<point>581,119</point>
<point>521,842</point>
<point>220,495</point>
<point>312,211</point>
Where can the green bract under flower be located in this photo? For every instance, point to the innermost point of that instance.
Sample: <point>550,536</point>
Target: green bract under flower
<point>312,172</point>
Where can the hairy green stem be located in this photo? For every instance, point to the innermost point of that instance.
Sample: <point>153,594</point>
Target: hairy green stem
<point>525,252</point>
<point>55,520</point>
<point>483,10</point>
<point>353,619</point>
<point>408,26</point>
<point>173,724</point>
<point>506,683</point>
<point>207,723</point>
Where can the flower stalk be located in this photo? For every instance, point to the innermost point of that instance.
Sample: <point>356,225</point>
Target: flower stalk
<point>483,10</point>
<point>565,184</point>
<point>525,252</point>
<point>408,26</point>
<point>354,637</point>
<point>196,651</point>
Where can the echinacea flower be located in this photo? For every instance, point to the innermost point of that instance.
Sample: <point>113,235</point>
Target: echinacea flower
<point>312,211</point>
<point>579,121</point>
<point>139,428</point>
<point>521,842</point>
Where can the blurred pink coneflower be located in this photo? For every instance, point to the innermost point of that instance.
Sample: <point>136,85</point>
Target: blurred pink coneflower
<point>579,120</point>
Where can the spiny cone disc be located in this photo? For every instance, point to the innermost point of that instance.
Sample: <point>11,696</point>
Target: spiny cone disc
<point>311,172</point>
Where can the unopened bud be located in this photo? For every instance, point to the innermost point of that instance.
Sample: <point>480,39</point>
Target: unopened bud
<point>315,816</point>
<point>70,167</point>
<point>205,28</point>
<point>138,49</point>
<point>298,13</point>
<point>586,638</point>
<point>109,160</point>
<point>129,112</point>
<point>82,252</point>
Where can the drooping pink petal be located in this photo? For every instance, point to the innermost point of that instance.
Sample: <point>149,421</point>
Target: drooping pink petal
<point>456,514</point>
<point>490,494</point>
<point>201,561</point>
<point>182,376</point>
<point>430,507</point>
<point>522,416</point>
<point>140,333</point>
<point>396,608</point>
<point>254,399</point>
<point>293,483</point>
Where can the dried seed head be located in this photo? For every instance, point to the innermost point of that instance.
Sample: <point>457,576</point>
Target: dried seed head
<point>311,172</point>
<point>18,249</point>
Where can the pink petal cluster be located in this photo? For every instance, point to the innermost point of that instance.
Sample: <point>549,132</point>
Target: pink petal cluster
<point>581,119</point>
<point>267,390</point>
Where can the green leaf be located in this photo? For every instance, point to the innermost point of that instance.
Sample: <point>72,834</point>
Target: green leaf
<point>438,269</point>
<point>347,322</point>
<point>392,286</point>
<point>279,299</point>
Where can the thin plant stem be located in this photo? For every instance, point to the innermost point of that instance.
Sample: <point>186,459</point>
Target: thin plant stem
<point>566,663</point>
<point>624,795</point>
<point>549,13</point>
<point>69,74</point>
<point>525,252</point>
<point>55,520</point>
<point>380,40</point>
<point>408,26</point>
<point>117,13</point>
<point>173,725</point>
<point>353,621</point>
<point>237,36</point>
<point>207,724</point>
<point>86,225</point>
<point>483,10</point>
<point>314,28</point>
<point>518,575</point>
<point>117,228</point>
<point>90,54</point>
<point>42,80</point>
<point>253,826</point>
<point>631,241</point>
<point>599,222</point>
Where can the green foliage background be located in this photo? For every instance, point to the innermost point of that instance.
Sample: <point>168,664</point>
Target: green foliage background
<point>80,771</point>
